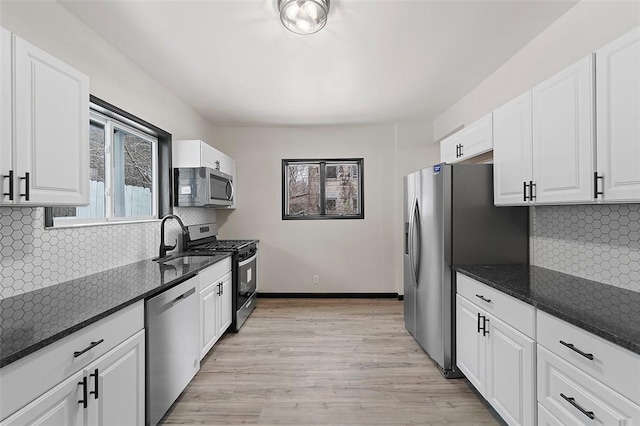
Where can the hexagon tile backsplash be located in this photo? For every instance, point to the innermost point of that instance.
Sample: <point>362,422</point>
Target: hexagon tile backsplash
<point>597,242</point>
<point>32,257</point>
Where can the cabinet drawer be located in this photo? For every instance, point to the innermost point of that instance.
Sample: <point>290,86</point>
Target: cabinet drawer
<point>214,273</point>
<point>31,376</point>
<point>575,398</point>
<point>614,366</point>
<point>514,312</point>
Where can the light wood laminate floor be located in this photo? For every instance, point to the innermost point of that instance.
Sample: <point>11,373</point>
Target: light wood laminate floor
<point>324,362</point>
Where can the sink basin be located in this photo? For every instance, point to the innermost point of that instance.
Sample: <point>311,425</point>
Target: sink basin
<point>186,259</point>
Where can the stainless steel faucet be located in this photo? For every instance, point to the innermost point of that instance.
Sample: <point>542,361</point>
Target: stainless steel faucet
<point>164,248</point>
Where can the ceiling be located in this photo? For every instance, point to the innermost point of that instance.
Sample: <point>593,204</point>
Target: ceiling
<point>374,62</point>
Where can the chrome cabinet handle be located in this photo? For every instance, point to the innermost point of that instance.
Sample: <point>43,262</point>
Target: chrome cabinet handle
<point>88,348</point>
<point>573,402</point>
<point>573,348</point>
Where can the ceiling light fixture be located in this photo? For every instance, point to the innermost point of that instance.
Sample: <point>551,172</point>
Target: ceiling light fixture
<point>303,16</point>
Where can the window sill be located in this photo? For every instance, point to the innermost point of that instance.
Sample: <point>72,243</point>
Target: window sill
<point>106,223</point>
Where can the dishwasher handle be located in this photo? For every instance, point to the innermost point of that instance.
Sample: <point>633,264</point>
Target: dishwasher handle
<point>173,302</point>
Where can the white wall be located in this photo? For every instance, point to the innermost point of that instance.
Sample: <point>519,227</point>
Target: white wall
<point>583,29</point>
<point>359,256</point>
<point>114,77</point>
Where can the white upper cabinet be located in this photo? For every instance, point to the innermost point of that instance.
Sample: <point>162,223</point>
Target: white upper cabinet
<point>450,148</point>
<point>475,139</point>
<point>196,153</point>
<point>563,139</point>
<point>6,145</point>
<point>618,118</point>
<point>45,128</point>
<point>512,145</point>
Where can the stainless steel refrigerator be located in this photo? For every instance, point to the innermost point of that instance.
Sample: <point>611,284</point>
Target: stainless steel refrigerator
<point>450,219</point>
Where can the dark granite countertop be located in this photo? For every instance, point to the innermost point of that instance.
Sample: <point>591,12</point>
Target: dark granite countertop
<point>33,320</point>
<point>610,312</point>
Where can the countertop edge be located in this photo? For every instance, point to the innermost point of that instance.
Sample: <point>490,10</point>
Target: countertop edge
<point>564,316</point>
<point>16,356</point>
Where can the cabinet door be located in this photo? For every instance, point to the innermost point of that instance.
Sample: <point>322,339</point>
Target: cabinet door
<point>545,418</point>
<point>449,149</point>
<point>510,376</point>
<point>618,118</point>
<point>469,343</point>
<point>210,157</point>
<point>512,138</point>
<point>477,137</point>
<point>225,307</point>
<point>57,407</point>
<point>563,142</point>
<point>117,385</point>
<point>5,115</point>
<point>208,318</point>
<point>51,122</point>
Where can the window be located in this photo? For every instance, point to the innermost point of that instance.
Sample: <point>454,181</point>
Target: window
<point>124,171</point>
<point>322,189</point>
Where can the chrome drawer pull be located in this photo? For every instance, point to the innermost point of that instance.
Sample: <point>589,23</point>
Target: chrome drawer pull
<point>573,402</point>
<point>481,297</point>
<point>88,348</point>
<point>573,348</point>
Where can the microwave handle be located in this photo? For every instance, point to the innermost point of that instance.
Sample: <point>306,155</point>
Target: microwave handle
<point>230,185</point>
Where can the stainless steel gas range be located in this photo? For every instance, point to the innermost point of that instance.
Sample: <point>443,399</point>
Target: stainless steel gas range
<point>203,239</point>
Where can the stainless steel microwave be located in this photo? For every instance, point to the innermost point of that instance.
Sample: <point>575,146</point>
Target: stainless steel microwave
<point>202,187</point>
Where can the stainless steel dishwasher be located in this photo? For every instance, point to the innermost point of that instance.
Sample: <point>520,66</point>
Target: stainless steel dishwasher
<point>173,352</point>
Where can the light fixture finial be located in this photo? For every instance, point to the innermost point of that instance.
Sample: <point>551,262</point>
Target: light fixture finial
<point>303,16</point>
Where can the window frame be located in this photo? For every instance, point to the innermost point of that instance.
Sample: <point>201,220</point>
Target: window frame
<point>112,118</point>
<point>322,163</point>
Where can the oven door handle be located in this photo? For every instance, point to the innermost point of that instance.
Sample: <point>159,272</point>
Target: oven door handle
<point>247,261</point>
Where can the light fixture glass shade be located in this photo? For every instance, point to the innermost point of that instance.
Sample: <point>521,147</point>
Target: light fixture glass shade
<point>303,16</point>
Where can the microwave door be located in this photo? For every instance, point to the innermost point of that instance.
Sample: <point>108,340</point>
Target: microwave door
<point>218,189</point>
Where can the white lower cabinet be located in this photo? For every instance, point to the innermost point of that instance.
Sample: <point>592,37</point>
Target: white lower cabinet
<point>545,418</point>
<point>496,358</point>
<point>103,377</point>
<point>510,370</point>
<point>116,385</point>
<point>469,342</point>
<point>215,304</point>
<point>576,398</point>
<point>57,407</point>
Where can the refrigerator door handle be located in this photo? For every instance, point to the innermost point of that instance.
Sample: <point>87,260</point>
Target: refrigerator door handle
<point>416,225</point>
<point>412,223</point>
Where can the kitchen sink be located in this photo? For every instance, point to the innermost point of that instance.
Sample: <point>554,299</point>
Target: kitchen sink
<point>185,259</point>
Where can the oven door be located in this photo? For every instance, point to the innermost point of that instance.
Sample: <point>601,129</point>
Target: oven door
<point>247,279</point>
<point>220,188</point>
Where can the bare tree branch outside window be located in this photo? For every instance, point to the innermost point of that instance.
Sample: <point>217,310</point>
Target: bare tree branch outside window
<point>322,189</point>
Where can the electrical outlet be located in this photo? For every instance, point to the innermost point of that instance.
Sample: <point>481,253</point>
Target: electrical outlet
<point>316,279</point>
